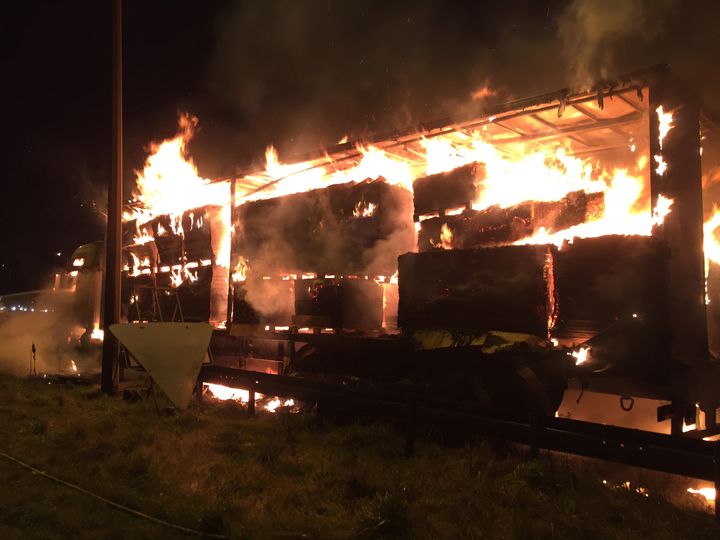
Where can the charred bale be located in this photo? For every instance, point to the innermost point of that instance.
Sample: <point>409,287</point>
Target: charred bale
<point>603,280</point>
<point>343,303</point>
<point>447,190</point>
<point>484,289</point>
<point>498,226</point>
<point>169,244</point>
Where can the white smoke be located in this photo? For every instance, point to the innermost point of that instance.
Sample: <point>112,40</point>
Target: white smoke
<point>50,326</point>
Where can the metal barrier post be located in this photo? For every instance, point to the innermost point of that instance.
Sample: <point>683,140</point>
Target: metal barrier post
<point>251,400</point>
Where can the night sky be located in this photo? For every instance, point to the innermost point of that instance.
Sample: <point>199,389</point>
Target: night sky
<point>299,74</point>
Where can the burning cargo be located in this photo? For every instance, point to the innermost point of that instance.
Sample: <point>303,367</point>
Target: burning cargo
<point>294,251</point>
<point>572,218</point>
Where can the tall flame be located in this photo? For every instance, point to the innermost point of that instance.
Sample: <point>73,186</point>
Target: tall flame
<point>169,182</point>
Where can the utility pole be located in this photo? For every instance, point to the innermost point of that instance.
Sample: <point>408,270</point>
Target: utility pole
<point>113,240</point>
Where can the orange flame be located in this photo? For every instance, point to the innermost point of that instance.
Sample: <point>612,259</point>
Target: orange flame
<point>707,492</point>
<point>169,183</point>
<point>240,272</point>
<point>665,124</point>
<point>581,355</point>
<point>364,210</point>
<point>446,237</point>
<point>227,393</point>
<point>711,246</point>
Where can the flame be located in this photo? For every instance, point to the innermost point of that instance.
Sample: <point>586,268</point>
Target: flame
<point>549,175</point>
<point>581,355</point>
<point>549,276</point>
<point>661,165</point>
<point>176,277</point>
<point>711,246</point>
<point>446,237</point>
<point>707,492</point>
<point>169,182</point>
<point>364,210</point>
<point>665,124</point>
<point>288,178</point>
<point>274,403</point>
<point>240,272</point>
<point>225,393</point>
<point>661,210</point>
<point>97,334</point>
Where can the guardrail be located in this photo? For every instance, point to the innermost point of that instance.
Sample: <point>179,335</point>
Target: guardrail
<point>666,453</point>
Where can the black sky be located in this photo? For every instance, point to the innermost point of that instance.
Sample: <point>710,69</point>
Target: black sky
<point>298,74</point>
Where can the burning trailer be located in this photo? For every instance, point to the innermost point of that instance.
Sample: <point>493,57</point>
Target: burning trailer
<point>552,239</point>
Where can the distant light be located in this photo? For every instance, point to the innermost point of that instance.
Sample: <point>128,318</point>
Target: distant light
<point>59,253</point>
<point>634,315</point>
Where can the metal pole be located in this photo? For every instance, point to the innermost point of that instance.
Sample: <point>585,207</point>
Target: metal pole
<point>113,242</point>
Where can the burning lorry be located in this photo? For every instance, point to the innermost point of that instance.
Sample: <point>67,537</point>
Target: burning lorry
<point>548,255</point>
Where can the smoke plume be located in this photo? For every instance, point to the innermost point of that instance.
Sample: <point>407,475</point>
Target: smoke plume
<point>52,328</point>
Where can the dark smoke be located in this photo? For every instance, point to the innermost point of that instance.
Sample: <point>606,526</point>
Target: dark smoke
<point>301,75</point>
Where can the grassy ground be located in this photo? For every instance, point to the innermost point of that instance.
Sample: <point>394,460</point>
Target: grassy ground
<point>277,476</point>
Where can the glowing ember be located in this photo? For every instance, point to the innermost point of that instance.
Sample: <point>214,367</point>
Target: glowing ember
<point>581,355</point>
<point>549,277</point>
<point>707,492</point>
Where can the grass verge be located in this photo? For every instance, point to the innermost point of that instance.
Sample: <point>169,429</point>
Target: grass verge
<point>276,476</point>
